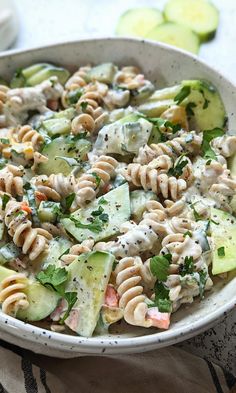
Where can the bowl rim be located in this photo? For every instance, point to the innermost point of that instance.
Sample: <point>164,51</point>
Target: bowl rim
<point>16,327</point>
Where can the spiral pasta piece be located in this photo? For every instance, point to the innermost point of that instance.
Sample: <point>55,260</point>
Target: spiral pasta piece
<point>176,114</point>
<point>225,145</point>
<point>12,296</point>
<point>95,178</point>
<point>150,178</point>
<point>186,143</point>
<point>56,186</point>
<point>132,299</point>
<point>27,134</point>
<point>93,116</point>
<point>129,77</point>
<point>76,250</point>
<point>33,241</point>
<point>180,247</point>
<point>11,180</point>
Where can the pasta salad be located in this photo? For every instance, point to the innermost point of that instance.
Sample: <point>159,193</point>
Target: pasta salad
<point>117,198</point>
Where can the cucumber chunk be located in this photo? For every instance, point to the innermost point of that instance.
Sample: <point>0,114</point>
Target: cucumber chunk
<point>176,35</point>
<point>57,247</point>
<point>57,126</point>
<point>37,73</point>
<point>63,147</point>
<point>42,301</point>
<point>137,22</point>
<point>199,15</point>
<point>48,211</point>
<point>209,111</point>
<point>138,200</point>
<point>116,205</point>
<point>124,136</point>
<point>88,276</point>
<point>102,73</point>
<point>8,252</point>
<point>223,238</point>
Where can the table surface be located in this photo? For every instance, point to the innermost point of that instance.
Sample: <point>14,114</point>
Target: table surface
<point>57,20</point>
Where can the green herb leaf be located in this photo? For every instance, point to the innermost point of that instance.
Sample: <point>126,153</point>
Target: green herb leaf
<point>177,169</point>
<point>188,233</point>
<point>69,200</point>
<point>74,96</point>
<point>27,186</point>
<point>202,282</point>
<point>53,278</point>
<point>159,122</point>
<point>97,179</point>
<point>71,298</point>
<point>102,201</point>
<point>84,105</point>
<point>5,141</point>
<point>184,92</point>
<point>104,217</point>
<point>189,108</point>
<point>221,252</point>
<point>159,266</point>
<point>197,216</point>
<point>208,135</point>
<point>95,226</point>
<point>98,212</point>
<point>164,305</point>
<point>5,199</point>
<point>162,300</point>
<point>187,267</point>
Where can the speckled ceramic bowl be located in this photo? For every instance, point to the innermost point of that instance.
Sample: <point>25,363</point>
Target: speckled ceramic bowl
<point>164,65</point>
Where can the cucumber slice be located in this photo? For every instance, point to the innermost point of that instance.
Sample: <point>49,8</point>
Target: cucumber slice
<point>37,73</point>
<point>209,111</point>
<point>199,15</point>
<point>176,35</point>
<point>57,126</point>
<point>116,206</point>
<point>138,200</point>
<point>124,136</point>
<point>42,301</point>
<point>223,238</point>
<point>48,211</point>
<point>63,147</point>
<point>153,108</point>
<point>57,247</point>
<point>88,276</point>
<point>102,73</point>
<point>137,22</point>
<point>8,252</point>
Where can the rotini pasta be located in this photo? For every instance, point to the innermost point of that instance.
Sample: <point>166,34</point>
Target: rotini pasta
<point>110,202</point>
<point>12,296</point>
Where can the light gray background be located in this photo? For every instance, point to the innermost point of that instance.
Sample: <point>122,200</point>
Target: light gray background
<point>48,21</point>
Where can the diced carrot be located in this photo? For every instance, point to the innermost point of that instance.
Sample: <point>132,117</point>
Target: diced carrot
<point>52,104</point>
<point>106,188</point>
<point>111,296</point>
<point>40,196</point>
<point>159,319</point>
<point>26,208</point>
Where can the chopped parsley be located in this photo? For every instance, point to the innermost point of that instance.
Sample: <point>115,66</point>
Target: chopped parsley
<point>188,233</point>
<point>54,279</point>
<point>98,212</point>
<point>184,92</point>
<point>97,179</point>
<point>102,201</point>
<point>202,282</point>
<point>187,267</point>
<point>208,135</point>
<point>5,141</point>
<point>27,186</point>
<point>69,200</point>
<point>189,108</point>
<point>159,122</point>
<point>159,266</point>
<point>74,96</point>
<point>95,226</point>
<point>221,252</point>
<point>84,105</point>
<point>197,216</point>
<point>177,169</point>
<point>162,300</point>
<point>5,199</point>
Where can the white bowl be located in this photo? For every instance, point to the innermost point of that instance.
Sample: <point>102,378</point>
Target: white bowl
<point>164,65</point>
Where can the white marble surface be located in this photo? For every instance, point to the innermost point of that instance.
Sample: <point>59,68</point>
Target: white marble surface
<point>48,21</point>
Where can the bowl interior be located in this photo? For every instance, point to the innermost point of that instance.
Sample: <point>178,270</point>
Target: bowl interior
<point>164,66</point>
